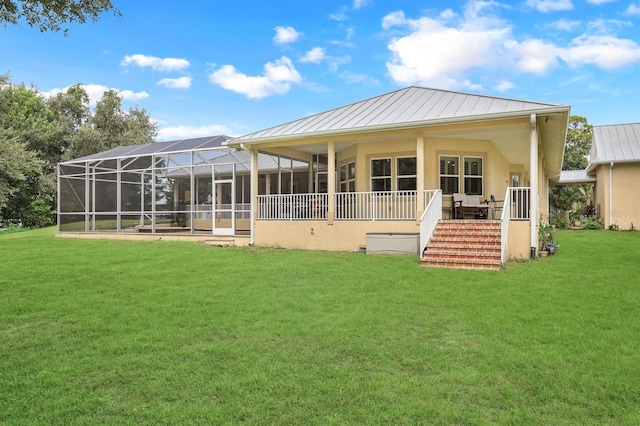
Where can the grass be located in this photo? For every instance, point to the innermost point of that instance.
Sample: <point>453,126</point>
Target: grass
<point>118,332</point>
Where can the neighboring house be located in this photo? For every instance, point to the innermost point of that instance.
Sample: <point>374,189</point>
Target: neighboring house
<point>385,166</point>
<point>615,163</point>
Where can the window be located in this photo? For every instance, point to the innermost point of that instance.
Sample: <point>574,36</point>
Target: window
<point>348,177</point>
<point>351,176</point>
<point>449,174</point>
<point>406,174</point>
<point>473,176</point>
<point>381,174</point>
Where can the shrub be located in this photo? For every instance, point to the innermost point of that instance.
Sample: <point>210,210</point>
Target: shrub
<point>592,224</point>
<point>560,222</point>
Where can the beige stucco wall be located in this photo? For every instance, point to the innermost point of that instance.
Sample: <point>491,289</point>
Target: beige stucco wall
<point>625,197</point>
<point>518,245</point>
<point>601,191</point>
<point>351,235</point>
<point>496,167</point>
<point>319,235</point>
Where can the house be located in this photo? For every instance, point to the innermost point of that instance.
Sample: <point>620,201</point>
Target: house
<point>615,164</point>
<point>384,167</point>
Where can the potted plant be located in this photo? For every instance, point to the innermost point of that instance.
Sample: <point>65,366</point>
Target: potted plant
<point>545,238</point>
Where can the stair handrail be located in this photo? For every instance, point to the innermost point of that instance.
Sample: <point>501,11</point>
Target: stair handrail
<point>505,218</point>
<point>429,219</point>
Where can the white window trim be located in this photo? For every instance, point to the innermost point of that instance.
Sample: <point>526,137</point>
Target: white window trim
<point>440,175</point>
<point>348,179</point>
<point>394,171</point>
<point>481,176</point>
<point>371,177</point>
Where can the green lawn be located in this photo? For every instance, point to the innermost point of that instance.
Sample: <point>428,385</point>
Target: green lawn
<point>118,332</point>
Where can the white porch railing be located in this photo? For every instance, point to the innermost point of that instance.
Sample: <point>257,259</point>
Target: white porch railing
<point>292,206</point>
<point>388,205</point>
<point>519,203</point>
<point>383,205</point>
<point>432,214</point>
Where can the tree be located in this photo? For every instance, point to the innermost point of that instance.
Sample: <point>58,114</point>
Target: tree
<point>578,144</point>
<point>577,148</point>
<point>37,133</point>
<point>16,164</point>
<point>110,127</point>
<point>49,15</point>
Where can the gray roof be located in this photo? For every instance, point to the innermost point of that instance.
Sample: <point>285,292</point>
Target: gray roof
<point>207,142</point>
<point>241,160</point>
<point>406,107</point>
<point>568,177</point>
<point>616,143</point>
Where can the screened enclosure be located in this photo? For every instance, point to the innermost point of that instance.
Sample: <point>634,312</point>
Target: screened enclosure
<point>187,186</point>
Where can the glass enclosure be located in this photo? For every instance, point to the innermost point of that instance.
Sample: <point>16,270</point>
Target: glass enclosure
<point>160,187</point>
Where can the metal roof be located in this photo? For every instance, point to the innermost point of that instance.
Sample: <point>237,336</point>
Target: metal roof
<point>208,142</point>
<point>616,143</point>
<point>568,177</point>
<point>404,107</point>
<point>241,160</point>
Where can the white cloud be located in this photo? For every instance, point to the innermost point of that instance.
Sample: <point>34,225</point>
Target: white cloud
<point>605,51</point>
<point>350,77</point>
<point>446,51</point>
<point>276,79</point>
<point>186,132</point>
<point>336,61</point>
<point>504,86</point>
<point>314,56</point>
<point>565,25</point>
<point>96,91</point>
<point>155,63</point>
<point>600,1</point>
<point>534,56</point>
<point>285,35</point>
<point>357,4</point>
<point>339,16</point>
<point>633,9</point>
<point>176,83</point>
<point>439,55</point>
<point>546,6</point>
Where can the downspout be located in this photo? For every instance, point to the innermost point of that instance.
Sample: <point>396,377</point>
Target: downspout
<point>533,195</point>
<point>610,195</point>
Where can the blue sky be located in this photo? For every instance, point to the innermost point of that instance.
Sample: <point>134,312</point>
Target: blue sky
<point>203,67</point>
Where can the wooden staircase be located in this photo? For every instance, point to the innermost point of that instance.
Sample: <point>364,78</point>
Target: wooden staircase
<point>468,244</point>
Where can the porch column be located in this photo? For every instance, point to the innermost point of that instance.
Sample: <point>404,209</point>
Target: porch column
<point>533,191</point>
<point>331,182</point>
<point>419,177</point>
<point>254,194</point>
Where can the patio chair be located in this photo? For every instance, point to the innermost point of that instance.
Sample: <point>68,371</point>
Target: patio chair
<point>496,206</point>
<point>469,204</point>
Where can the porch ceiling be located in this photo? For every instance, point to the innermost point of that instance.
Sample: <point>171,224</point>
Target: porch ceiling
<point>505,137</point>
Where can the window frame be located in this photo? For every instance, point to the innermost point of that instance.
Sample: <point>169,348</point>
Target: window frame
<point>387,178</point>
<point>399,177</point>
<point>347,173</point>
<point>448,175</point>
<point>479,177</point>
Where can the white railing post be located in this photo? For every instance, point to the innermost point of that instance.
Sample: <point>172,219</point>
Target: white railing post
<point>432,214</point>
<point>505,218</point>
